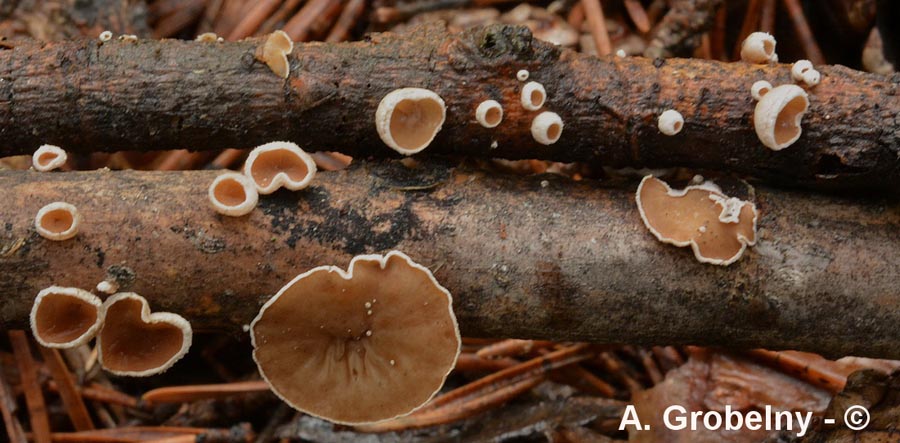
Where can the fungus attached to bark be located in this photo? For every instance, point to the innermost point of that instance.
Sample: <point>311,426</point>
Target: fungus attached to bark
<point>522,75</point>
<point>274,53</point>
<point>278,164</point>
<point>533,96</point>
<point>489,113</point>
<point>65,317</point>
<point>802,71</point>
<point>778,116</point>
<point>717,228</point>
<point>759,48</point>
<point>407,119</point>
<point>105,36</point>
<point>233,194</point>
<point>670,122</point>
<point>134,342</point>
<point>759,89</point>
<point>48,158</point>
<point>57,221</point>
<point>369,344</point>
<point>546,128</point>
<point>207,37</point>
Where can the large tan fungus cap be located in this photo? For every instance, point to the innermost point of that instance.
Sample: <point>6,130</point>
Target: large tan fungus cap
<point>65,317</point>
<point>48,157</point>
<point>717,228</point>
<point>134,342</point>
<point>274,53</point>
<point>366,345</point>
<point>407,119</point>
<point>57,221</point>
<point>279,164</point>
<point>778,115</point>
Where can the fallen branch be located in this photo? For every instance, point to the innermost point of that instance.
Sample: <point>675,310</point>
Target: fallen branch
<point>523,258</point>
<point>172,94</point>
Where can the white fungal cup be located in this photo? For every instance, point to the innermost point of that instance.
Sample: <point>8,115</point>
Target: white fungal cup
<point>489,113</point>
<point>670,122</point>
<point>547,128</point>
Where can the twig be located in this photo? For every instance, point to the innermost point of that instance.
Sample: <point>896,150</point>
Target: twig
<point>34,398</point>
<point>593,11</point>
<point>804,33</point>
<point>347,20</point>
<point>189,393</point>
<point>68,392</point>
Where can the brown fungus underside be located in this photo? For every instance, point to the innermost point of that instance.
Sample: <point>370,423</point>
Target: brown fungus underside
<point>694,217</point>
<point>361,346</point>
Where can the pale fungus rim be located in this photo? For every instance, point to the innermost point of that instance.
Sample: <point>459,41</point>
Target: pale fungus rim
<point>280,179</point>
<point>248,186</point>
<point>347,275</point>
<point>759,48</point>
<point>81,295</point>
<point>759,89</point>
<point>424,103</point>
<point>522,75</point>
<point>530,92</point>
<point>71,231</point>
<point>707,186</point>
<point>489,113</point>
<point>275,51</point>
<point>148,318</point>
<point>547,128</point>
<point>59,158</point>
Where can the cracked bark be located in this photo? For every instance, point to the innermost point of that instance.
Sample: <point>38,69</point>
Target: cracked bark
<point>173,94</point>
<point>567,261</point>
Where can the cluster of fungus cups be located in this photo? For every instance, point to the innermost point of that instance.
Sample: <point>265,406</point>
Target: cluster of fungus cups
<point>802,71</point>
<point>370,344</point>
<point>718,228</point>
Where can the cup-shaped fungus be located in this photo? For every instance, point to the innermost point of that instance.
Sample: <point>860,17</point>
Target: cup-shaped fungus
<point>778,115</point>
<point>370,344</point>
<point>274,53</point>
<point>717,228</point>
<point>233,194</point>
<point>533,96</point>
<point>546,128</point>
<point>57,221</point>
<point>48,158</point>
<point>522,75</point>
<point>802,71</point>
<point>670,122</point>
<point>759,48</point>
<point>759,89</point>
<point>279,164</point>
<point>65,317</point>
<point>489,113</point>
<point>136,343</point>
<point>407,119</point>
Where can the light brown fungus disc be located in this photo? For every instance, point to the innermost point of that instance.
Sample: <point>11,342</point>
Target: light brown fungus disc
<point>279,164</point>
<point>407,119</point>
<point>361,346</point>
<point>65,317</point>
<point>695,217</point>
<point>135,342</point>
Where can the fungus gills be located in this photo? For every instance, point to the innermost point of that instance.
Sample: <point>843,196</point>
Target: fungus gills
<point>65,317</point>
<point>778,116</point>
<point>533,96</point>
<point>670,122</point>
<point>233,194</point>
<point>759,48</point>
<point>489,113</point>
<point>717,228</point>
<point>361,346</point>
<point>134,342</point>
<point>408,119</point>
<point>48,158</point>
<point>274,53</point>
<point>278,164</point>
<point>547,128</point>
<point>57,221</point>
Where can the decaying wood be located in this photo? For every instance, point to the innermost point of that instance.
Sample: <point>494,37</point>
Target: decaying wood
<point>575,262</point>
<point>169,94</point>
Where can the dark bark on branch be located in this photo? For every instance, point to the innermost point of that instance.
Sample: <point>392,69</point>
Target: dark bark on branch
<point>566,261</point>
<point>172,94</point>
